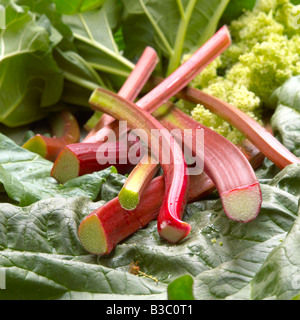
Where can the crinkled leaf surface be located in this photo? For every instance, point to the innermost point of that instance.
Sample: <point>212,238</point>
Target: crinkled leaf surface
<point>41,254</point>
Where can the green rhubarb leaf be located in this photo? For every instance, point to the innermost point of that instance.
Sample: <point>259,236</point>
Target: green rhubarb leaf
<point>279,276</point>
<point>174,27</point>
<point>29,77</point>
<point>41,257</point>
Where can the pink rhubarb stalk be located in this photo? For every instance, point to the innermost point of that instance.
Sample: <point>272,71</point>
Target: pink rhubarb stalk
<point>105,227</point>
<point>130,90</point>
<point>83,158</point>
<point>225,164</point>
<point>65,130</point>
<point>170,225</point>
<point>257,134</point>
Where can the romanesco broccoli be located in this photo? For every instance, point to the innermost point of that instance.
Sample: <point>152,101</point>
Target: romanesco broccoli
<point>264,54</point>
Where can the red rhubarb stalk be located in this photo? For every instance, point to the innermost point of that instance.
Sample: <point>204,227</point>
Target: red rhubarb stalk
<point>257,134</point>
<point>217,44</point>
<point>77,160</point>
<point>104,228</point>
<point>65,130</point>
<point>107,226</point>
<point>83,158</point>
<point>225,164</point>
<point>130,90</point>
<point>170,225</point>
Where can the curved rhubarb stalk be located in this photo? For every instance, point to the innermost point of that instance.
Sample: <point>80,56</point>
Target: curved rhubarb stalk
<point>65,130</point>
<point>130,90</point>
<point>137,181</point>
<point>82,158</point>
<point>107,226</point>
<point>224,163</point>
<point>180,78</point>
<point>257,134</point>
<point>170,225</point>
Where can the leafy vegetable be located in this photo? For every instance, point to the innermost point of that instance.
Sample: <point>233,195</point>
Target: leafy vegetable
<point>187,26</point>
<point>219,271</point>
<point>29,74</point>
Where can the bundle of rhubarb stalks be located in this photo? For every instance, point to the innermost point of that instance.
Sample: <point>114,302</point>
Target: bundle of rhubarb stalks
<point>147,196</point>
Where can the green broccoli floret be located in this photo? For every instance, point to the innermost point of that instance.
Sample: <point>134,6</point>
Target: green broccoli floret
<point>264,54</point>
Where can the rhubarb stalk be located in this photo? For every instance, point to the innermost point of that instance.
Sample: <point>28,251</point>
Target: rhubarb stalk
<point>224,163</point>
<point>130,90</point>
<point>77,160</point>
<point>65,130</point>
<point>170,225</point>
<point>105,227</point>
<point>137,181</point>
<point>252,130</point>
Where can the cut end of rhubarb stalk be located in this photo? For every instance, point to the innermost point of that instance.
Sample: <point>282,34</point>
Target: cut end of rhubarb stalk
<point>173,234</point>
<point>92,235</point>
<point>66,166</point>
<point>37,145</point>
<point>242,204</point>
<point>128,199</point>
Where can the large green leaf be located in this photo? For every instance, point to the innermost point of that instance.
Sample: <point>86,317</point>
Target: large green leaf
<point>93,32</point>
<point>279,276</point>
<point>43,259</point>
<point>176,26</point>
<point>29,77</point>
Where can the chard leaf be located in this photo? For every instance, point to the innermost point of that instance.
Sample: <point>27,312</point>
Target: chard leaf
<point>177,27</point>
